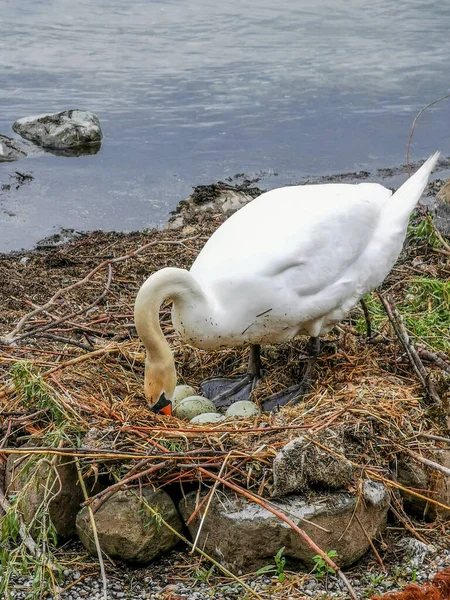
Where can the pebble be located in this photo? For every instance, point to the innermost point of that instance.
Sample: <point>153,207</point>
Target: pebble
<point>159,582</point>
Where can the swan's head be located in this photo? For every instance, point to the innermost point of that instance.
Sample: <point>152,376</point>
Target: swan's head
<point>159,384</point>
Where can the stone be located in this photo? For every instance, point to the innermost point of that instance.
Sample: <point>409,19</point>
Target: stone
<point>441,210</point>
<point>32,481</point>
<point>10,149</point>
<point>244,536</point>
<point>61,131</point>
<point>301,464</point>
<point>210,200</point>
<point>413,551</point>
<point>127,530</point>
<point>419,478</point>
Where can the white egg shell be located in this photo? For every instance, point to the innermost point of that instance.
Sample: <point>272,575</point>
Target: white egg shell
<point>208,418</point>
<point>243,408</point>
<point>181,392</point>
<point>192,406</point>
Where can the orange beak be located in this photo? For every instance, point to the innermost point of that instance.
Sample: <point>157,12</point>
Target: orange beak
<point>167,410</point>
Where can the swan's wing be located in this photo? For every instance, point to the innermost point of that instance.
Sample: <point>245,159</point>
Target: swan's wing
<point>302,237</point>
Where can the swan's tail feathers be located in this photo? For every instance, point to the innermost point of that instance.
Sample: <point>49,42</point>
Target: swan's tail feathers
<point>400,206</point>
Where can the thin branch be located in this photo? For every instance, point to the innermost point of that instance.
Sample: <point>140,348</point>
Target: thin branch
<point>102,496</point>
<point>11,337</point>
<point>289,522</point>
<point>400,330</point>
<point>94,531</point>
<point>422,110</point>
<point>426,461</point>
<point>434,357</point>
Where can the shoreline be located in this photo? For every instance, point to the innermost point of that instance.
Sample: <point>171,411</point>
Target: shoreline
<point>241,184</point>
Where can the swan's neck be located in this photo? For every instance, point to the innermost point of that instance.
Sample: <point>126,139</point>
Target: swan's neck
<point>167,284</point>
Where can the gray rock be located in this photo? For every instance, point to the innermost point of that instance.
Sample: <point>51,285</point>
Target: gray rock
<point>10,149</point>
<point>210,200</point>
<point>31,480</point>
<point>413,475</point>
<point>441,210</point>
<point>301,464</point>
<point>127,530</point>
<point>61,131</point>
<point>245,536</point>
<point>414,551</point>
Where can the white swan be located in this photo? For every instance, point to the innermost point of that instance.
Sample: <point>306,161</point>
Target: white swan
<point>293,261</point>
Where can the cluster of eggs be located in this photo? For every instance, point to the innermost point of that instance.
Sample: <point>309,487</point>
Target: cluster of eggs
<point>188,406</point>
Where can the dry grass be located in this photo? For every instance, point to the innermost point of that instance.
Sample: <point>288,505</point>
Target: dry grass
<point>83,356</point>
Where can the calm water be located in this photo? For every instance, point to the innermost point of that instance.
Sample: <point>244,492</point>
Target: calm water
<point>192,91</point>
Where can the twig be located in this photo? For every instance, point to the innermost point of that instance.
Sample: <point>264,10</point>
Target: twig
<point>94,531</point>
<point>208,504</point>
<point>372,545</point>
<point>434,357</point>
<point>11,337</point>
<point>109,349</point>
<point>102,496</point>
<point>427,461</point>
<point>201,552</point>
<point>72,315</point>
<point>60,338</point>
<point>437,438</point>
<point>289,522</point>
<point>422,110</point>
<point>400,330</point>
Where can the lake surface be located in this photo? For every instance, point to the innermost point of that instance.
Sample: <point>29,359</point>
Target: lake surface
<point>192,91</point>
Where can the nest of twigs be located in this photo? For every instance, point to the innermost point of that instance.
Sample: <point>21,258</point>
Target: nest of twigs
<point>70,356</point>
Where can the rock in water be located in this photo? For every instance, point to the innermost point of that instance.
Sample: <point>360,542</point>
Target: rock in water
<point>244,536</point>
<point>33,484</point>
<point>127,530</point>
<point>10,150</point>
<point>60,131</point>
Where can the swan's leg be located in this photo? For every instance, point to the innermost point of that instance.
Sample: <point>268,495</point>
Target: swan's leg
<point>367,318</point>
<point>254,364</point>
<point>225,391</point>
<point>295,393</point>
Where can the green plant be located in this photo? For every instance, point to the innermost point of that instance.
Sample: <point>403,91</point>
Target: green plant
<point>422,232</point>
<point>373,582</point>
<point>321,567</point>
<point>202,575</point>
<point>425,309</point>
<point>277,567</point>
<point>152,518</point>
<point>35,392</point>
<point>17,556</point>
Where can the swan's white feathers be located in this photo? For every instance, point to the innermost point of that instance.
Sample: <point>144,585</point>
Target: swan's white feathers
<point>296,260</point>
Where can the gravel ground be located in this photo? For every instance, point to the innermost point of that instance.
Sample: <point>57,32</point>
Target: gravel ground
<point>180,577</point>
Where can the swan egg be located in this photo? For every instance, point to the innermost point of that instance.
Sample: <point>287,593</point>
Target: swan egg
<point>180,393</point>
<point>243,408</point>
<point>190,407</point>
<point>208,418</point>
